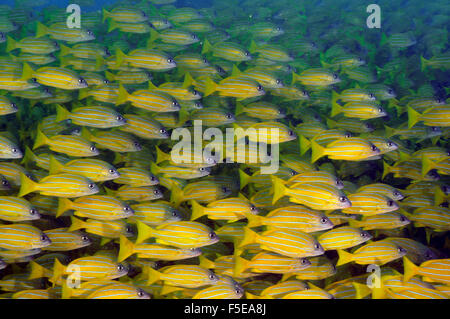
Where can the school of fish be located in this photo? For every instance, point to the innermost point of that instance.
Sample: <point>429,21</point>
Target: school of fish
<point>94,204</point>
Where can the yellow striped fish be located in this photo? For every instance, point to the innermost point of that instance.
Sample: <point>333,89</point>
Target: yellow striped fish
<point>64,240</point>
<point>92,116</point>
<point>99,207</point>
<point>231,209</point>
<point>343,237</point>
<point>55,77</point>
<point>94,169</point>
<point>67,144</point>
<point>22,237</point>
<point>378,252</point>
<point>155,213</point>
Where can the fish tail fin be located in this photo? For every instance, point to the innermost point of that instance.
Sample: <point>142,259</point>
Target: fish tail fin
<point>427,165</point>
<point>154,168</point>
<point>235,71</point>
<point>29,156</point>
<point>355,223</point>
<point>423,63</point>
<point>317,151</point>
<point>105,14</point>
<point>64,50</point>
<point>295,78</point>
<point>279,190</point>
<point>331,123</point>
<point>152,276</point>
<point>62,113</point>
<point>27,72</point>
<point>335,109</point>
<point>151,86</point>
<point>183,116</point>
<point>85,133</point>
<point>64,204</point>
<point>126,249</point>
<point>305,144</point>
<point>410,270</point>
<point>389,131</point>
<point>386,169</point>
<point>167,289</point>
<point>37,271</point>
<point>334,96</point>
<point>120,57</point>
<point>99,61</point>
<point>58,271</point>
<point>67,291</point>
<point>253,47</point>
<point>188,80</point>
<point>161,156</point>
<point>112,25</point>
<point>361,290</point>
<point>55,166</point>
<point>413,117</point>
<point>41,30</point>
<point>207,47</point>
<point>11,44</point>
<point>254,220</point>
<point>244,179</point>
<point>344,257</point>
<point>83,93</point>
<point>144,232</point>
<point>240,264</point>
<point>110,76</point>
<point>210,87</point>
<point>76,223</point>
<point>250,237</point>
<point>27,185</point>
<point>153,35</point>
<point>197,210</point>
<point>439,196</point>
<point>206,263</point>
<point>240,108</point>
<point>123,95</point>
<point>176,196</point>
<point>41,139</point>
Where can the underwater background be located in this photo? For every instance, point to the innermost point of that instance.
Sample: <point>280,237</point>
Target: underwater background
<point>95,202</point>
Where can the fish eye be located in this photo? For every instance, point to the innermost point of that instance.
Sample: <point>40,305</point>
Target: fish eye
<point>247,53</point>
<point>14,106</point>
<point>324,220</point>
<point>212,277</point>
<point>390,203</point>
<point>212,235</point>
<point>401,250</point>
<point>156,192</point>
<point>175,103</point>
<point>169,60</point>
<point>335,76</point>
<point>252,208</point>
<point>128,229</point>
<point>112,171</point>
<point>390,91</point>
<point>56,44</point>
<point>205,61</point>
<point>317,246</point>
<point>91,185</point>
<point>225,189</point>
<point>33,212</point>
<point>137,145</point>
<point>44,237</point>
<point>127,208</point>
<point>89,32</point>
<point>364,234</point>
<point>374,148</point>
<point>5,182</point>
<point>229,116</point>
<point>402,218</point>
<point>371,96</point>
<point>140,293</point>
<point>293,173</point>
<point>81,81</point>
<point>14,150</point>
<point>46,90</point>
<point>259,88</point>
<point>304,261</point>
<point>119,118</point>
<point>163,131</point>
<point>201,169</point>
<point>84,238</point>
<point>360,59</point>
<point>33,80</point>
<point>380,110</point>
<point>305,93</point>
<point>193,36</point>
<point>278,81</point>
<point>105,81</point>
<point>343,199</point>
<point>396,193</point>
<point>93,149</point>
<point>339,183</point>
<point>120,268</point>
<point>291,133</point>
<point>174,213</point>
<point>434,129</point>
<point>390,144</point>
<point>194,92</point>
